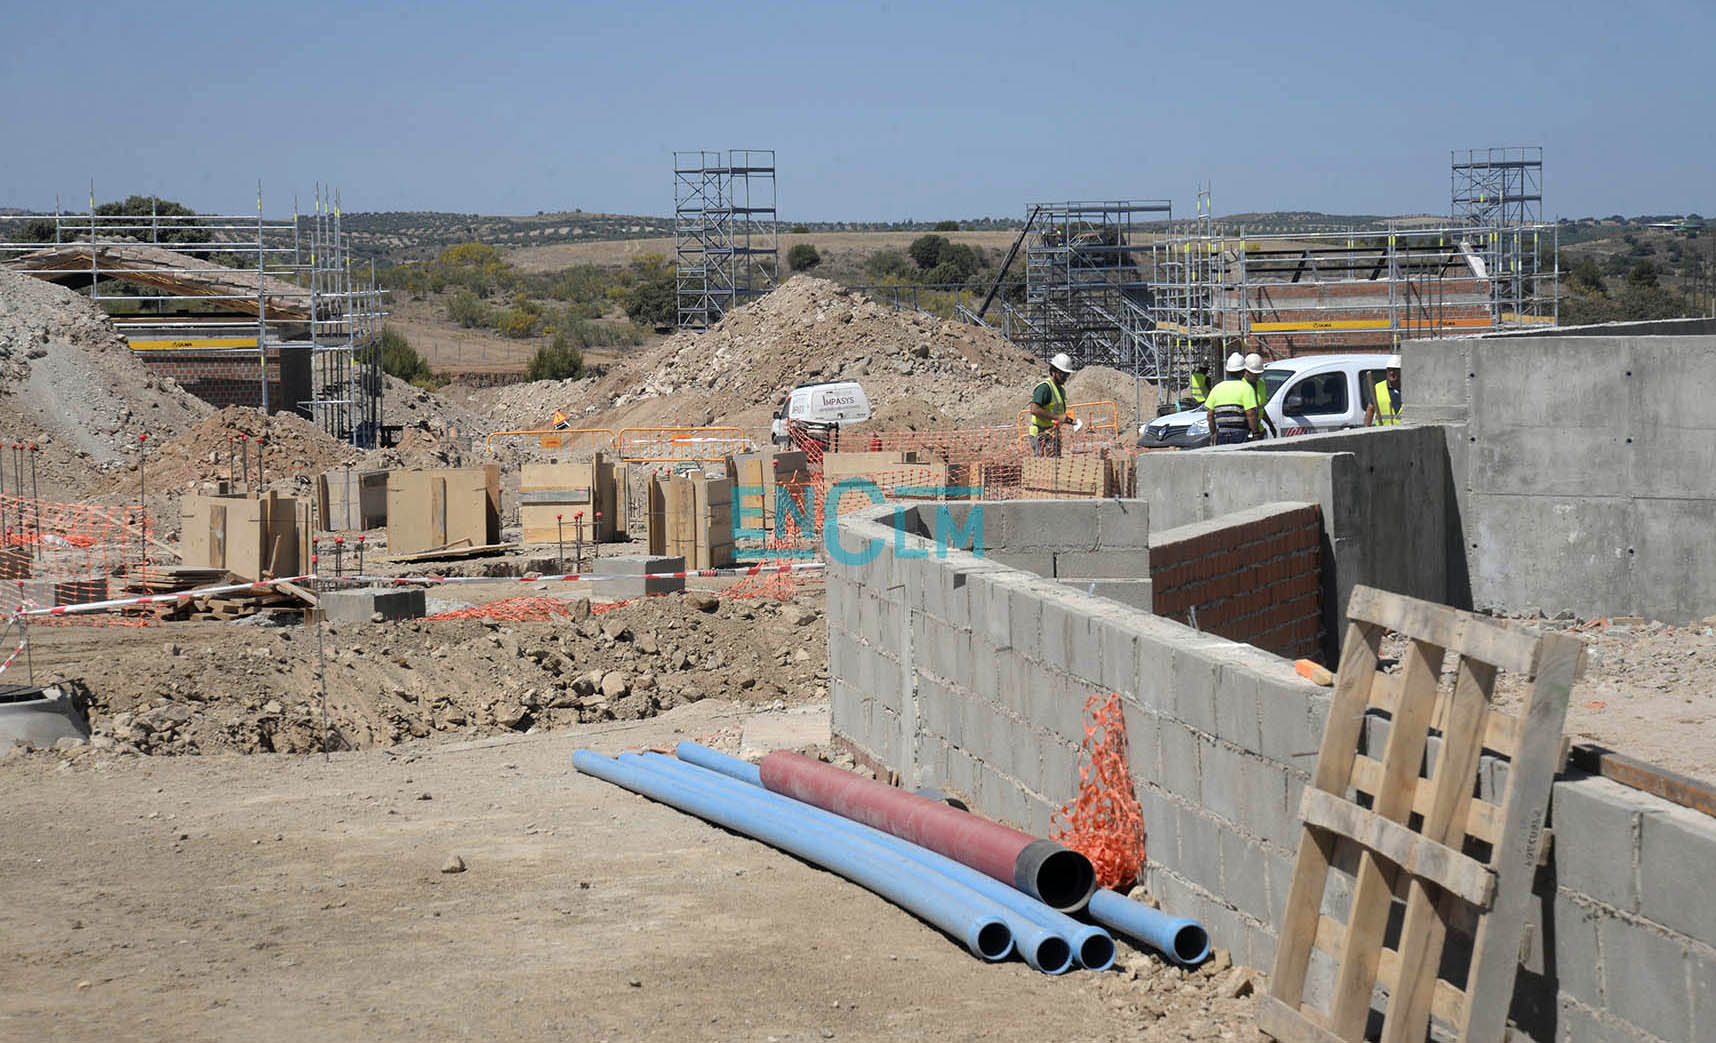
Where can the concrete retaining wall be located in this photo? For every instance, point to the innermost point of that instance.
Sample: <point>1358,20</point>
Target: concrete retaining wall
<point>1583,467</point>
<point>959,670</point>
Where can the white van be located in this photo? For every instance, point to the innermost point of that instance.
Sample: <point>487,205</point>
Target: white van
<point>1306,395</point>
<point>819,410</point>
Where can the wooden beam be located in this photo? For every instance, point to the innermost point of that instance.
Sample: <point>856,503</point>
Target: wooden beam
<point>1411,851</point>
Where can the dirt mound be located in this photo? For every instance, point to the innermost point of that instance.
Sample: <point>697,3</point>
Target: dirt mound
<point>809,329</point>
<point>207,688</point>
<point>69,384</point>
<point>291,447</point>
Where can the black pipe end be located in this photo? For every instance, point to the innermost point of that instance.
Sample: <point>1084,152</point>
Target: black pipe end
<point>1097,951</point>
<point>1061,879</point>
<point>1191,944</point>
<point>994,940</point>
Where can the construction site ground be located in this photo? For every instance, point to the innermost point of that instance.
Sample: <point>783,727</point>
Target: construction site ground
<point>202,898</point>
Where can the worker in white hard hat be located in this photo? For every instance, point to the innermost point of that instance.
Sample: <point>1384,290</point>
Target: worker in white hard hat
<point>1254,377</point>
<point>1383,410</point>
<point>1049,407</point>
<point>1232,406</point>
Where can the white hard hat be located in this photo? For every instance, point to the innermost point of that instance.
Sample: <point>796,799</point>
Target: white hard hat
<point>1394,362</point>
<point>1254,363</point>
<point>1063,362</point>
<point>1235,362</point>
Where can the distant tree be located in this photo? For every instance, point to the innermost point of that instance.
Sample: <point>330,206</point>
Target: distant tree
<point>803,257</point>
<point>653,296</point>
<point>1643,274</point>
<point>468,311</point>
<point>560,360</point>
<point>172,231</point>
<point>946,226</point>
<point>885,264</point>
<point>800,229</point>
<point>399,359</point>
<point>962,257</point>
<point>1586,276</point>
<point>925,250</point>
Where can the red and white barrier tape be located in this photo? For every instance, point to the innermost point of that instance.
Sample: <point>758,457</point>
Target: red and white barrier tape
<point>403,581</point>
<point>15,654</point>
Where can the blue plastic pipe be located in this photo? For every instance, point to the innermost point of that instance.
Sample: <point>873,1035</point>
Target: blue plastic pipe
<point>1091,946</point>
<point>1180,939</point>
<point>1041,947</point>
<point>957,911</point>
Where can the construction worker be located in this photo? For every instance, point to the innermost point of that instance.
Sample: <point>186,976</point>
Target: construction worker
<point>1254,377</point>
<point>1049,407</point>
<point>1232,406</point>
<point>1384,408</point>
<point>1199,389</point>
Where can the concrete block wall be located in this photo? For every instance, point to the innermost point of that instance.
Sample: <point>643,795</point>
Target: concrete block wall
<point>956,669</point>
<point>1253,576</point>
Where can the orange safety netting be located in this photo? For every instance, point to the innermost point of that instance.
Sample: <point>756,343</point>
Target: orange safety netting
<point>528,608</point>
<point>1105,822</point>
<point>65,553</point>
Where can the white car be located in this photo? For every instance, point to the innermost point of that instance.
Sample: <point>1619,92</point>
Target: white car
<point>1305,395</point>
<point>819,410</point>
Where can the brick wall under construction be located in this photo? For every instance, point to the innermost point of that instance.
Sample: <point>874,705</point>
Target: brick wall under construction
<point>1253,576</point>
<point>232,380</point>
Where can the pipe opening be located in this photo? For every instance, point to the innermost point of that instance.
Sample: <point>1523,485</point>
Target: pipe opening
<point>1054,956</point>
<point>1096,952</point>
<point>1065,880</point>
<point>994,940</point>
<point>1191,943</point>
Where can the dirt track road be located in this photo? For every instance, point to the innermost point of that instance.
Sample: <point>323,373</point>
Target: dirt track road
<point>279,897</point>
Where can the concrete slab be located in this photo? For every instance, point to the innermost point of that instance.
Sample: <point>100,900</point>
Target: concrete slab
<point>363,604</point>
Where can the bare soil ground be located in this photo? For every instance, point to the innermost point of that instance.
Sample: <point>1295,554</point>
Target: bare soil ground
<point>288,897</point>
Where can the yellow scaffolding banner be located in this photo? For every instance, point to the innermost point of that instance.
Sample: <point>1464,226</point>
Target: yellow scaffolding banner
<point>193,345</point>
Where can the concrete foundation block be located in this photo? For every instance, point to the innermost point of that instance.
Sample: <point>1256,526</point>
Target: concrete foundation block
<point>1604,816</point>
<point>1199,857</point>
<point>1194,685</point>
<point>1143,742</point>
<point>1236,705</point>
<point>1059,613</point>
<point>365,603</point>
<point>636,587</point>
<point>1261,794</point>
<point>1084,649</point>
<point>1058,776</point>
<point>1133,593</point>
<point>1677,851</point>
<point>1036,562</point>
<point>1644,979</point>
<point>1096,564</point>
<point>1122,524</point>
<point>1220,767</point>
<point>1119,653</point>
<point>1181,773</point>
<point>1050,525</point>
<point>1574,963</point>
<point>1286,733</point>
<point>1025,610</point>
<point>1244,875</point>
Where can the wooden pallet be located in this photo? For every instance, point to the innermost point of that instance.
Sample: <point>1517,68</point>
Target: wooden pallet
<point>1459,863</point>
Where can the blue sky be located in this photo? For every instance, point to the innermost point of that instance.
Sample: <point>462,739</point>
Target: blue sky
<point>878,111</point>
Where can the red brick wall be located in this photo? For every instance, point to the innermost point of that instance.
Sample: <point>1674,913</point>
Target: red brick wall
<point>1254,576</point>
<point>232,380</point>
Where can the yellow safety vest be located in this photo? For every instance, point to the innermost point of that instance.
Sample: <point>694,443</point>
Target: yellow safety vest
<point>1385,411</point>
<point>1200,388</point>
<point>1057,404</point>
<point>1232,393</point>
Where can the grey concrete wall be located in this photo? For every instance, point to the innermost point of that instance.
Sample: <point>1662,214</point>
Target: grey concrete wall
<point>1384,493</point>
<point>1583,468</point>
<point>961,671</point>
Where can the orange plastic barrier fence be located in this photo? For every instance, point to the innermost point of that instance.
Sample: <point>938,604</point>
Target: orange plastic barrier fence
<point>1104,822</point>
<point>682,444</point>
<point>598,438</point>
<point>61,553</point>
<point>1101,423</point>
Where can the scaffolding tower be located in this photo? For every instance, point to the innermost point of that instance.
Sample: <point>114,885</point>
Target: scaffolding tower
<point>1498,192</point>
<point>195,287</point>
<point>726,239</point>
<point>1091,283</point>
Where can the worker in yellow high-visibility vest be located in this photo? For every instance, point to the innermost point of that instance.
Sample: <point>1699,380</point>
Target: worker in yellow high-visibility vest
<point>1254,377</point>
<point>1384,407</point>
<point>1049,407</point>
<point>1232,406</point>
<point>1200,387</point>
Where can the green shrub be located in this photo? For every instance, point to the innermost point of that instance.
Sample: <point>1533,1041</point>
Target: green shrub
<point>946,226</point>
<point>399,359</point>
<point>803,257</point>
<point>925,250</point>
<point>653,296</point>
<point>520,320</point>
<point>469,312</point>
<point>800,229</point>
<point>560,360</point>
<point>887,263</point>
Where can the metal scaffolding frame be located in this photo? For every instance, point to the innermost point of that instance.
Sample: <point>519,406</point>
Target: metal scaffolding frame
<point>1091,285</point>
<point>227,285</point>
<point>726,239</point>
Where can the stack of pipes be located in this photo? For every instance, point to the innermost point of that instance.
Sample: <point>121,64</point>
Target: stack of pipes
<point>995,889</point>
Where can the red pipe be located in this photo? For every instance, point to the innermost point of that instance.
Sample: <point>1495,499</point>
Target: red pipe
<point>1059,878</point>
